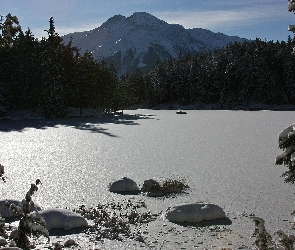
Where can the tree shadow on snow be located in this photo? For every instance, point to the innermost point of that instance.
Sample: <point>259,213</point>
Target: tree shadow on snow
<point>91,124</point>
<point>61,232</point>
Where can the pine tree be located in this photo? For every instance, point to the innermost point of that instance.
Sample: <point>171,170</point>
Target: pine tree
<point>52,73</point>
<point>8,30</point>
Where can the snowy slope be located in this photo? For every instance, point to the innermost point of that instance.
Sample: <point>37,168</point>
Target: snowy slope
<point>139,41</point>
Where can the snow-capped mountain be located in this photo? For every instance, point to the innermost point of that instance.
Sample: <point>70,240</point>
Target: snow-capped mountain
<point>139,41</point>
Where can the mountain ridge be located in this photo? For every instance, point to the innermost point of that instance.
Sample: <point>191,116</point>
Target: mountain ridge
<point>139,41</point>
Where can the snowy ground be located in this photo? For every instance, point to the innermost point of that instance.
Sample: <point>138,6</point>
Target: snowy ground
<point>161,234</point>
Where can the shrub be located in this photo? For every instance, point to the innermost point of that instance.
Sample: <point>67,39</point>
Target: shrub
<point>30,224</point>
<point>173,186</point>
<point>116,220</point>
<point>2,172</point>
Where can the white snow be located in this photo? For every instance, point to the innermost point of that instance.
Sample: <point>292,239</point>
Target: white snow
<point>62,218</point>
<point>194,212</point>
<point>141,64</point>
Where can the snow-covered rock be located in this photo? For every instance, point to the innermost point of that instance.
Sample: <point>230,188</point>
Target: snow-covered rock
<point>62,218</point>
<point>11,248</point>
<point>124,185</point>
<point>5,211</point>
<point>3,241</point>
<point>152,188</point>
<point>70,242</point>
<point>195,212</point>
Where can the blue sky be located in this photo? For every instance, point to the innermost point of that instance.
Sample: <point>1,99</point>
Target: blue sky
<point>265,19</point>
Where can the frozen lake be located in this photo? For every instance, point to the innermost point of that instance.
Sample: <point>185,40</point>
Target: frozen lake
<point>227,158</point>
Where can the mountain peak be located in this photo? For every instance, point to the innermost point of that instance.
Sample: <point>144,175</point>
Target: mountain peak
<point>143,18</point>
<point>139,41</point>
<point>115,19</point>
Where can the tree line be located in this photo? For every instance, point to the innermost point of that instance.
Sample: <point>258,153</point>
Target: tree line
<point>48,74</point>
<point>52,76</point>
<point>239,74</point>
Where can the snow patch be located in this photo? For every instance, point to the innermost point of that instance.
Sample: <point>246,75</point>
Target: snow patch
<point>141,64</point>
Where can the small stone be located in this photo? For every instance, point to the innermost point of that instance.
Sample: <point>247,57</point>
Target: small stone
<point>70,242</point>
<point>3,242</point>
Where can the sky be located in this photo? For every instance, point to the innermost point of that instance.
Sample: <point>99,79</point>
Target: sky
<point>264,19</point>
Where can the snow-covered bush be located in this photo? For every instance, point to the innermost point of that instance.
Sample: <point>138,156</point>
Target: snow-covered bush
<point>2,172</point>
<point>173,186</point>
<point>3,178</point>
<point>167,187</point>
<point>30,224</point>
<point>291,5</point>
<point>2,223</point>
<point>117,220</point>
<point>264,241</point>
<point>287,158</point>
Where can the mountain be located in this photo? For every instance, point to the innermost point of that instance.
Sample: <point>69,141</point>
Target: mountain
<point>139,41</point>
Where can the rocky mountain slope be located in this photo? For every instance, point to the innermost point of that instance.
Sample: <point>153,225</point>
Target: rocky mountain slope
<point>139,41</point>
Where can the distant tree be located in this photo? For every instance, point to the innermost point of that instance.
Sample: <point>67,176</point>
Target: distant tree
<point>25,87</point>
<point>84,82</point>
<point>287,138</point>
<point>52,74</point>
<point>8,30</point>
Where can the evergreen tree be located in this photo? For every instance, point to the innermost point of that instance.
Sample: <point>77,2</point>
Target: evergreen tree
<point>52,74</point>
<point>8,30</point>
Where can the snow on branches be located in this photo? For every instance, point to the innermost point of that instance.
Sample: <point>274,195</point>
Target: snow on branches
<point>2,176</point>
<point>287,143</point>
<point>291,5</point>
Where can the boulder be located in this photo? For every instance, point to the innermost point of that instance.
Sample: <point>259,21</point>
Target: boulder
<point>152,188</point>
<point>195,212</point>
<point>124,185</point>
<point>62,218</point>
<point>5,211</point>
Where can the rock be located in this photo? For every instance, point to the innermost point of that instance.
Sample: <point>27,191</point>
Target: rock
<point>150,186</point>
<point>3,241</point>
<point>14,234</point>
<point>5,211</point>
<point>69,243</point>
<point>62,218</point>
<point>195,212</point>
<point>11,248</point>
<point>124,185</point>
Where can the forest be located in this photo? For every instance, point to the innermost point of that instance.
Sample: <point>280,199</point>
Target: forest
<point>51,76</point>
